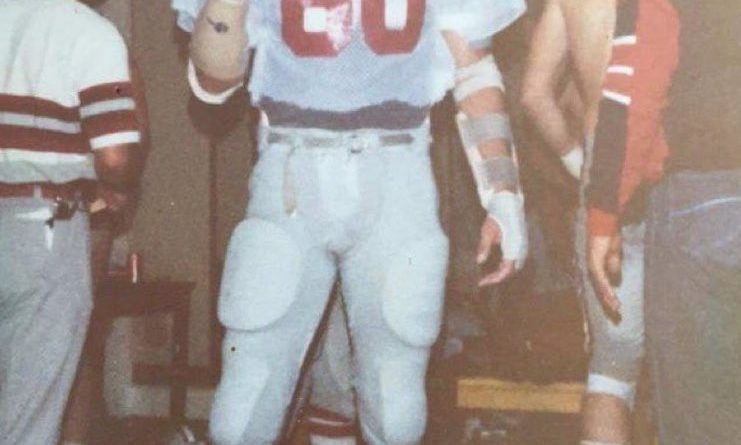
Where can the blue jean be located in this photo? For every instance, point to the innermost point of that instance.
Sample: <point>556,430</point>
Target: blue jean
<point>693,307</point>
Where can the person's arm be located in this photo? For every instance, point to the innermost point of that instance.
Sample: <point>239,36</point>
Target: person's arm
<point>218,50</point>
<point>107,197</point>
<point>629,141</point>
<point>546,63</point>
<point>108,107</point>
<point>486,136</point>
<point>590,25</point>
<point>576,31</point>
<point>571,102</point>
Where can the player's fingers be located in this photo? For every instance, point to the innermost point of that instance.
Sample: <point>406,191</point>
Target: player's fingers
<point>116,201</point>
<point>486,242</point>
<point>605,291</point>
<point>614,266</point>
<point>505,270</point>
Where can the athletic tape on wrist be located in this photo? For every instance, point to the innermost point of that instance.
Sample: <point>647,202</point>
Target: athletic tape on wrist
<point>494,173</point>
<point>508,210</point>
<point>574,161</point>
<point>501,172</point>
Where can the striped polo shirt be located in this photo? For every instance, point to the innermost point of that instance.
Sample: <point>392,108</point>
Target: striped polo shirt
<point>65,91</point>
<point>630,147</point>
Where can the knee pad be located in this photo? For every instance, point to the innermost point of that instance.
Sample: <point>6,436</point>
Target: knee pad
<point>413,291</point>
<point>403,406</point>
<point>602,384</point>
<point>261,276</point>
<point>243,381</point>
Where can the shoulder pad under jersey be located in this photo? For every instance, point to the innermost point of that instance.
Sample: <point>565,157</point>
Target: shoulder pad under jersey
<point>477,20</point>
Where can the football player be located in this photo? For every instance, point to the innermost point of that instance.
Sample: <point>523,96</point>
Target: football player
<point>344,187</point>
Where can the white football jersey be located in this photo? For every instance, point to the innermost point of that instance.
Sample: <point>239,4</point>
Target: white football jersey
<point>343,55</point>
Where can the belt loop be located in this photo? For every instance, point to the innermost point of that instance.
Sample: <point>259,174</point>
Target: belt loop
<point>37,192</point>
<point>289,188</point>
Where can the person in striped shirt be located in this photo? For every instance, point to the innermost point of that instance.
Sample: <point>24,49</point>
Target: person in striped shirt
<point>68,131</point>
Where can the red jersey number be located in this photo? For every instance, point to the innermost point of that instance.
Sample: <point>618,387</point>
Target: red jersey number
<point>384,41</point>
<point>323,28</point>
<point>298,15</point>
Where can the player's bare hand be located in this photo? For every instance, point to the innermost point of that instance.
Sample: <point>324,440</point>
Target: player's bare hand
<point>604,264</point>
<point>113,200</point>
<point>491,235</point>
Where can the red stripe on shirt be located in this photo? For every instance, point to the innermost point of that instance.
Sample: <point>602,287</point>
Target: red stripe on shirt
<point>34,139</point>
<point>617,82</point>
<point>38,107</point>
<point>109,123</point>
<point>108,91</point>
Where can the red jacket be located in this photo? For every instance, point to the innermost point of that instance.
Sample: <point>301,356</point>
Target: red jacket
<point>630,147</point>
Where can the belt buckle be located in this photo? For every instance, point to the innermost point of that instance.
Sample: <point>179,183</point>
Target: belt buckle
<point>358,143</point>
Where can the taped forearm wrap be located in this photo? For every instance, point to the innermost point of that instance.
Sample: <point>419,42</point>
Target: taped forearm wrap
<point>497,179</point>
<point>508,210</point>
<point>475,131</point>
<point>490,174</point>
<point>219,46</point>
<point>501,173</point>
<point>476,77</point>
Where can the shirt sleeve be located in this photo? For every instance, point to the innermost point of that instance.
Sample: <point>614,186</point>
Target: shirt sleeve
<point>101,71</point>
<point>476,20</point>
<point>630,147</point>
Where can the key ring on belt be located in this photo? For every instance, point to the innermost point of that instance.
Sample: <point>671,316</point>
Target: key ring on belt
<point>64,209</point>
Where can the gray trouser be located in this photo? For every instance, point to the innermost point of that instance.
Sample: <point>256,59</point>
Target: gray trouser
<point>45,305</point>
<point>617,346</point>
<point>693,307</point>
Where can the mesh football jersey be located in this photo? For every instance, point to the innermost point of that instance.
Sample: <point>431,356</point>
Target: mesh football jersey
<point>343,55</point>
